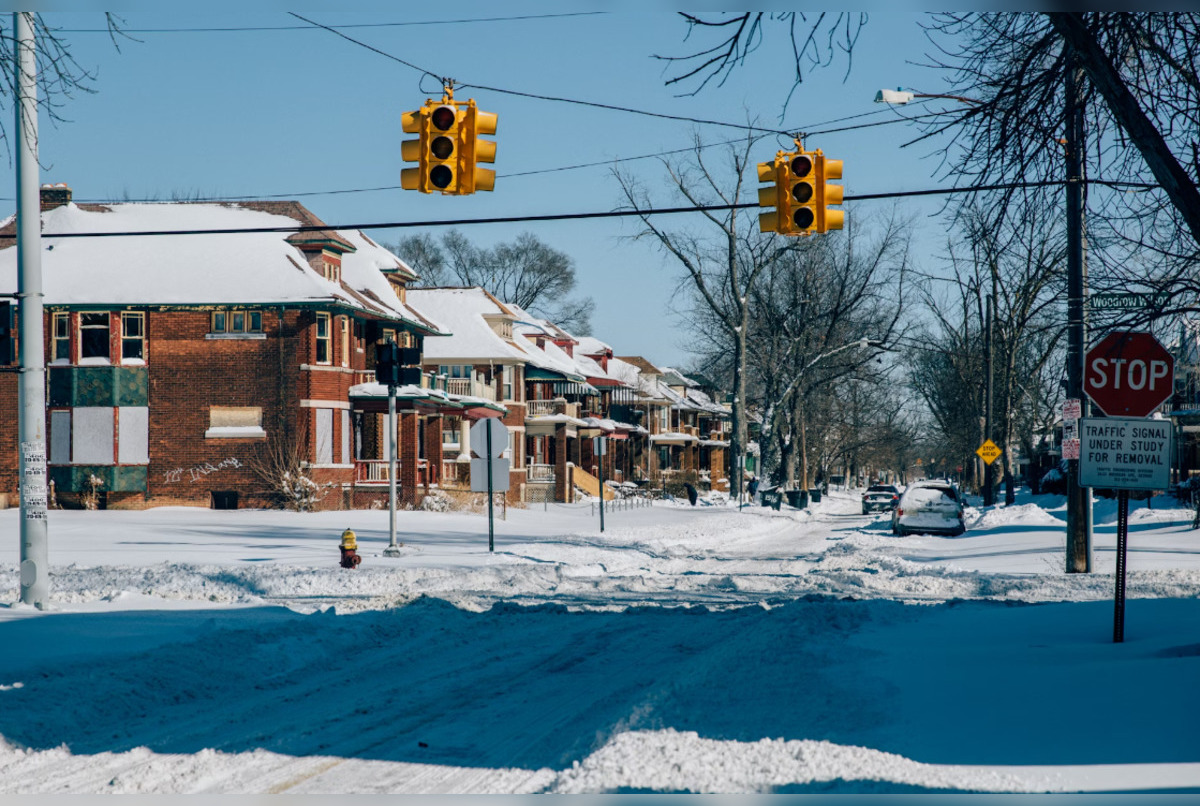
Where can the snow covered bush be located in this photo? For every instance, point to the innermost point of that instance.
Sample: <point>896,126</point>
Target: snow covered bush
<point>280,464</point>
<point>436,501</point>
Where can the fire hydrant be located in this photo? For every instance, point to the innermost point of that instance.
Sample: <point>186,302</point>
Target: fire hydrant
<point>350,558</point>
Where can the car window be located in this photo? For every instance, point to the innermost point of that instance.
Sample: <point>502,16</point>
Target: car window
<point>929,495</point>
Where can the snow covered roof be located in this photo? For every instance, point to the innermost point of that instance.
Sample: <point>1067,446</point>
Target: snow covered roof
<point>231,268</point>
<point>462,312</point>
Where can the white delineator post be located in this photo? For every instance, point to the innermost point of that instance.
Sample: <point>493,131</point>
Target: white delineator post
<point>31,384</point>
<point>393,549</point>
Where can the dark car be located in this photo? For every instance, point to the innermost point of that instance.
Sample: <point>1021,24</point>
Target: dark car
<point>880,498</point>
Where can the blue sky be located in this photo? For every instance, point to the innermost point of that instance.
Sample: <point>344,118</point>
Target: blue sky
<point>265,113</point>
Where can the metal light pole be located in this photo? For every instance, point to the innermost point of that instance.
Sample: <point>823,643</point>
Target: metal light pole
<point>35,563</point>
<point>989,480</point>
<point>392,550</point>
<point>1079,503</point>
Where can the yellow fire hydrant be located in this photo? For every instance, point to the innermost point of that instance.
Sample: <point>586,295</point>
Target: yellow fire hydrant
<point>350,558</point>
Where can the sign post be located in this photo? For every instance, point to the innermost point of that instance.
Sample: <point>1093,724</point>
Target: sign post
<point>599,448</point>
<point>489,473</point>
<point>1127,375</point>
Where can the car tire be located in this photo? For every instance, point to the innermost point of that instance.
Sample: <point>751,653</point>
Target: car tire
<point>958,532</point>
<point>866,511</point>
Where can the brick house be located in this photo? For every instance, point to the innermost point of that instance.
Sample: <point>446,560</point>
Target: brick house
<point>177,364</point>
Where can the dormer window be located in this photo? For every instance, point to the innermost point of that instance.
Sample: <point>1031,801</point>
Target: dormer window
<point>332,271</point>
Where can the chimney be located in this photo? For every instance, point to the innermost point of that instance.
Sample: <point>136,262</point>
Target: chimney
<point>57,195</point>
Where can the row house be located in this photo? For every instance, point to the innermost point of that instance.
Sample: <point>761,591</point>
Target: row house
<point>689,430</point>
<point>198,368</point>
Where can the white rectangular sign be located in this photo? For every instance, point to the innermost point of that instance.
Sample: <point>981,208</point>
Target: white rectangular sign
<point>1125,453</point>
<point>1072,408</point>
<point>1070,448</point>
<point>479,479</point>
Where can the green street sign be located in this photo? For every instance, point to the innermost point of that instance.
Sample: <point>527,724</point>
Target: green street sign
<point>1131,300</point>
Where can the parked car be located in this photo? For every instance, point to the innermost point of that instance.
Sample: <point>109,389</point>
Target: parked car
<point>880,497</point>
<point>929,507</point>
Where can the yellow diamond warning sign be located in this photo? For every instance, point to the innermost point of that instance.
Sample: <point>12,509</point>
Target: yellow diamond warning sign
<point>989,452</point>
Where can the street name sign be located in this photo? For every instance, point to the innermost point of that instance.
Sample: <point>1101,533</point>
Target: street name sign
<point>1128,374</point>
<point>1125,453</point>
<point>1127,301</point>
<point>989,451</point>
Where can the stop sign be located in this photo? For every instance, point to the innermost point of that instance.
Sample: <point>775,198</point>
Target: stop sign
<point>1128,374</point>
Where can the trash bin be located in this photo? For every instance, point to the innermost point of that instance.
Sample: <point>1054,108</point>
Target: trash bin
<point>814,495</point>
<point>796,498</point>
<point>771,498</point>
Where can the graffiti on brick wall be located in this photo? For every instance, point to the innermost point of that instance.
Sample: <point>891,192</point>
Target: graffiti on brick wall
<point>197,472</point>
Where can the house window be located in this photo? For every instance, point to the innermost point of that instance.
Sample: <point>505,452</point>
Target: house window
<point>235,421</point>
<point>455,371</point>
<point>507,382</point>
<point>236,321</point>
<point>133,336</point>
<point>93,335</point>
<point>345,341</point>
<point>60,337</point>
<point>324,349</point>
<point>332,271</point>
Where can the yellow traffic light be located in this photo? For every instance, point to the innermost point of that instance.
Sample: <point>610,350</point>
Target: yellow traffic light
<point>770,196</point>
<point>472,150</point>
<point>802,194</point>
<point>828,194</point>
<point>435,152</point>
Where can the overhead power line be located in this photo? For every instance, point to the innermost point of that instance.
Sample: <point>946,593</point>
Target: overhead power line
<point>258,28</point>
<point>533,218</point>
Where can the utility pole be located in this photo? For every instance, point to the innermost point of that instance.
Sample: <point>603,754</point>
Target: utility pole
<point>1079,504</point>
<point>31,384</point>
<point>393,549</point>
<point>989,480</point>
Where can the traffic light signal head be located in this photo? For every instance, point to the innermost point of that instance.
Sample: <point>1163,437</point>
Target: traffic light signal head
<point>448,148</point>
<point>802,194</point>
<point>7,340</point>
<point>475,123</point>
<point>769,196</point>
<point>828,194</point>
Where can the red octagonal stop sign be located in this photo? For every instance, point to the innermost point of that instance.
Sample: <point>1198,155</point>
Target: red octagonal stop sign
<point>1128,374</point>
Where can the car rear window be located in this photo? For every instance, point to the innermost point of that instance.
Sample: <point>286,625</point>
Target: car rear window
<point>923,495</point>
<point>881,489</point>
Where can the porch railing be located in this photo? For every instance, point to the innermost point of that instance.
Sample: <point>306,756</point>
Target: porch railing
<point>540,408</point>
<point>375,471</point>
<point>540,474</point>
<point>470,387</point>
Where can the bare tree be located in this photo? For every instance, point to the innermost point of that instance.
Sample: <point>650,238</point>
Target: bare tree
<point>525,272</point>
<point>59,75</point>
<point>722,262</point>
<point>281,465</point>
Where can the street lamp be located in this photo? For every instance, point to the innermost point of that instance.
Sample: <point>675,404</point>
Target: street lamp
<point>900,96</point>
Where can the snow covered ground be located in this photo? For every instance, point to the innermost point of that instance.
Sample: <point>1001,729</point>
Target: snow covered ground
<point>683,650</point>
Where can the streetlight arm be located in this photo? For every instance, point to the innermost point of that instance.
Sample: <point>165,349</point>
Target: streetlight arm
<point>899,96</point>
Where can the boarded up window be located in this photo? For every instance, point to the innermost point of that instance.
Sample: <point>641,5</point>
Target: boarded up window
<point>345,437</point>
<point>324,436</point>
<point>133,435</point>
<point>92,435</point>
<point>60,437</point>
<point>235,421</point>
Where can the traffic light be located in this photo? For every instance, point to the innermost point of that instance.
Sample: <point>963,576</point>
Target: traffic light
<point>802,194</point>
<point>387,364</point>
<point>473,150</point>
<point>448,147</point>
<point>7,340</point>
<point>770,196</point>
<point>828,194</point>
<point>436,149</point>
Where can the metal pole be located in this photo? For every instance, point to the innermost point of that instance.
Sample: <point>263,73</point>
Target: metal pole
<point>600,442</point>
<point>392,550</point>
<point>1122,551</point>
<point>1079,509</point>
<point>988,479</point>
<point>35,562</point>
<point>491,516</point>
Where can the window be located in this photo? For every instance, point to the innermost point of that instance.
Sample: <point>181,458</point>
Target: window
<point>331,271</point>
<point>93,336</point>
<point>324,350</point>
<point>133,336</point>
<point>507,381</point>
<point>236,321</point>
<point>235,421</point>
<point>455,371</point>
<point>60,337</point>
<point>345,341</point>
